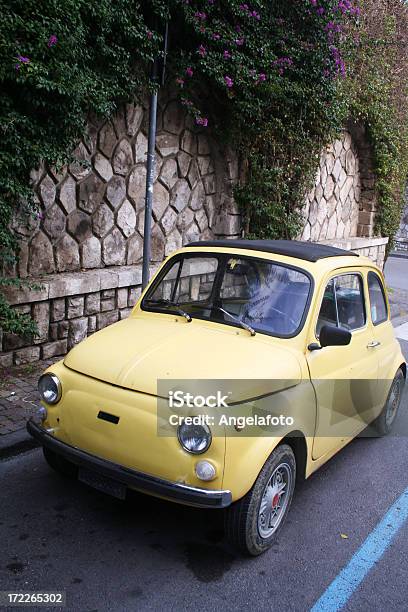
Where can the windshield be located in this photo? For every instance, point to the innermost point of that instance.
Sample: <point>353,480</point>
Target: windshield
<point>266,296</point>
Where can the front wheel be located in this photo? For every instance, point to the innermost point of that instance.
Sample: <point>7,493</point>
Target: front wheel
<point>253,522</point>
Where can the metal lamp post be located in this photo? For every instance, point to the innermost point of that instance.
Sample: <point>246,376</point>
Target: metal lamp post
<point>156,69</point>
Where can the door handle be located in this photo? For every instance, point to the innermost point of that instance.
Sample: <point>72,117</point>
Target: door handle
<point>373,344</point>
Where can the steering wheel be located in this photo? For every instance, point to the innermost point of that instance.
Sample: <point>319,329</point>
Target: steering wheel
<point>280,312</point>
<point>285,314</point>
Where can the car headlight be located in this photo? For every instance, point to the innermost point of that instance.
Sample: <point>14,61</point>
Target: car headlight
<point>49,387</point>
<point>194,439</point>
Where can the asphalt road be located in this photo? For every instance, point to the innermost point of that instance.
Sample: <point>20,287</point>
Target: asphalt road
<point>147,554</point>
<point>395,271</point>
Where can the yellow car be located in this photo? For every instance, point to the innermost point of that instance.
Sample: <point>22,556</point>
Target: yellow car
<point>294,348</point>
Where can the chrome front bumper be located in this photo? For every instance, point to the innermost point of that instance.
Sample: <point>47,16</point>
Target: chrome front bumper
<point>173,491</point>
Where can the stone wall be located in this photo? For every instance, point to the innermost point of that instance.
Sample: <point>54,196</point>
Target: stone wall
<point>85,248</point>
<point>92,212</point>
<point>374,248</point>
<point>68,307</point>
<point>340,209</point>
<point>333,205</point>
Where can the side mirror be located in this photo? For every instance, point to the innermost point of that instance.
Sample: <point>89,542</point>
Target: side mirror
<point>331,336</point>
<point>334,336</point>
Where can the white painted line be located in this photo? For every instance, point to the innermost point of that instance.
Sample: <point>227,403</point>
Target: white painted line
<point>401,331</point>
<point>352,575</point>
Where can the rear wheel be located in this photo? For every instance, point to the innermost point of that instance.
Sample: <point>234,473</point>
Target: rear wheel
<point>60,464</point>
<point>253,522</point>
<point>384,422</point>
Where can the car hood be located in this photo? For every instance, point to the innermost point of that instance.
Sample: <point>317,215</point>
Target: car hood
<point>137,352</point>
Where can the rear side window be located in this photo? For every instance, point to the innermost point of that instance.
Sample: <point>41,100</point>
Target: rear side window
<point>378,304</point>
<point>343,303</point>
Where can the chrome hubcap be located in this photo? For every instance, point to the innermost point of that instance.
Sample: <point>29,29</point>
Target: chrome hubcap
<point>274,500</point>
<point>393,403</point>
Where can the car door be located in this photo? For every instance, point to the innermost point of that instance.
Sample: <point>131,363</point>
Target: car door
<point>344,377</point>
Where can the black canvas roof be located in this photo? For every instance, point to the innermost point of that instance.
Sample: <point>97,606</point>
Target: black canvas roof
<point>309,251</point>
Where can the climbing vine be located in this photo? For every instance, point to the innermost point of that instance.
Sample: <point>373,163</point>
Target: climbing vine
<point>378,96</point>
<point>276,80</point>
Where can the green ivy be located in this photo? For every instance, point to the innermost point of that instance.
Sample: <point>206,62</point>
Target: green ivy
<point>377,96</point>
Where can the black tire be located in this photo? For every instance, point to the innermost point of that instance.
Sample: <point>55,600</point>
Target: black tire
<point>384,422</point>
<point>60,464</point>
<point>242,527</point>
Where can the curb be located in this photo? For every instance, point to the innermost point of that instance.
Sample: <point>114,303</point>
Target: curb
<point>399,255</point>
<point>15,443</point>
<point>399,320</point>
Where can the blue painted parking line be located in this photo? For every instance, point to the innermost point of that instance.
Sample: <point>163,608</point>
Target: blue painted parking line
<point>352,575</point>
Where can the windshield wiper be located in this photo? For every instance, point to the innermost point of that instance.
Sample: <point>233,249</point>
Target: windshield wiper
<point>164,302</point>
<point>234,318</point>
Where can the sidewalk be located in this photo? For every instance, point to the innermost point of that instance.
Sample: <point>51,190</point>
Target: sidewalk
<point>19,401</point>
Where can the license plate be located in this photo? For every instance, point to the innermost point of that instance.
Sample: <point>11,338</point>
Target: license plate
<point>101,483</point>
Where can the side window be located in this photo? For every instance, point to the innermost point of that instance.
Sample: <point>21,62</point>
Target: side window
<point>350,301</point>
<point>378,304</point>
<point>328,310</point>
<point>343,303</point>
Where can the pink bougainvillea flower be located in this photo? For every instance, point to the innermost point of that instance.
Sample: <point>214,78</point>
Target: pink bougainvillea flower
<point>338,60</point>
<point>21,60</point>
<point>180,81</point>
<point>228,81</point>
<point>52,40</point>
<point>149,34</point>
<point>202,121</point>
<point>227,54</point>
<point>239,42</point>
<point>200,16</point>
<point>283,63</point>
<point>216,36</point>
<point>256,15</point>
<point>189,71</point>
<point>202,51</point>
<point>261,77</point>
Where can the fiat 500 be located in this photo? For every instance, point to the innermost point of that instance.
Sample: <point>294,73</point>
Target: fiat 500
<point>297,335</point>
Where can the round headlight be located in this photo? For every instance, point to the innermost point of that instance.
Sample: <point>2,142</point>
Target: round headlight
<point>49,387</point>
<point>194,438</point>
